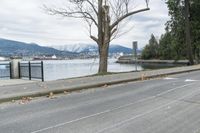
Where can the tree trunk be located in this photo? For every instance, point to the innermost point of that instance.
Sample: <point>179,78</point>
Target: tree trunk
<point>187,32</point>
<point>103,59</point>
<point>104,40</point>
<point>197,55</point>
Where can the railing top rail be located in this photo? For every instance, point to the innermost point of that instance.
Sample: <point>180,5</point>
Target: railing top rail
<point>1,64</point>
<point>35,63</point>
<point>32,62</point>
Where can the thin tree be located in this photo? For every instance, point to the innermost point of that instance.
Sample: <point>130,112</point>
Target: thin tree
<point>187,33</point>
<point>104,16</point>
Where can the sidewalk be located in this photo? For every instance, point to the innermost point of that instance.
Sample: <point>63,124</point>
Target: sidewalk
<point>5,82</point>
<point>35,89</point>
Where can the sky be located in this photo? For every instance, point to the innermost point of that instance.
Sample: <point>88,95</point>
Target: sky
<point>26,21</point>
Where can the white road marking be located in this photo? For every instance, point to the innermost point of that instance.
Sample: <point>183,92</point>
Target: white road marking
<point>61,124</point>
<point>165,92</point>
<point>143,114</point>
<point>168,78</point>
<point>110,110</point>
<point>190,80</point>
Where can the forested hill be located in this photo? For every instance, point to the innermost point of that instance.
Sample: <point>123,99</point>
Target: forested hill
<point>15,48</point>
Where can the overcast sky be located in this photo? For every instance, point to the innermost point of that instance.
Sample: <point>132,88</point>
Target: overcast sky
<point>25,20</point>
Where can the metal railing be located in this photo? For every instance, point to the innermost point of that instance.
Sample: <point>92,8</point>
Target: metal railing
<point>31,70</point>
<point>5,70</point>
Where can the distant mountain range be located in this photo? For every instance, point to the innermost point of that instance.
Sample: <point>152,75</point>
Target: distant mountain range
<point>91,48</point>
<point>16,48</point>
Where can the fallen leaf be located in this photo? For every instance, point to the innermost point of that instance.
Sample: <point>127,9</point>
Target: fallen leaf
<point>51,95</point>
<point>66,92</point>
<point>105,85</point>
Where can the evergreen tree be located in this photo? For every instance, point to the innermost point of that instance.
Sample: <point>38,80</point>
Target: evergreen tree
<point>166,48</point>
<point>151,50</point>
<point>172,45</point>
<point>176,26</point>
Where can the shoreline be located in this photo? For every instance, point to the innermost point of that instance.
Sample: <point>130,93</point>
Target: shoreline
<point>131,60</point>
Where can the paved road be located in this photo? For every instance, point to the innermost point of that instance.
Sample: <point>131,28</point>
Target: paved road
<point>168,105</point>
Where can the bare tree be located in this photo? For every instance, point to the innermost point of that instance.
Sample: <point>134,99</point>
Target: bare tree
<point>102,15</point>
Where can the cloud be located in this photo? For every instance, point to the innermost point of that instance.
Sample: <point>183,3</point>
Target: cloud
<point>25,20</point>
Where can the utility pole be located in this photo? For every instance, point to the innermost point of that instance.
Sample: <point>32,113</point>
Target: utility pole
<point>187,33</point>
<point>135,46</point>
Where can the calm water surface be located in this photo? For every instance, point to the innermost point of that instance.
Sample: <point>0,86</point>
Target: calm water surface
<point>60,69</point>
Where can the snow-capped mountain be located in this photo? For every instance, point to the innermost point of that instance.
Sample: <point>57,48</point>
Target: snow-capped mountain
<point>90,48</point>
<point>77,48</point>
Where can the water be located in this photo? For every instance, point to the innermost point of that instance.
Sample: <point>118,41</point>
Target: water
<point>61,69</point>
<point>4,70</point>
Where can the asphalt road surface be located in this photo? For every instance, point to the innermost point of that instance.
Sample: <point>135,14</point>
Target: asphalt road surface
<point>165,105</point>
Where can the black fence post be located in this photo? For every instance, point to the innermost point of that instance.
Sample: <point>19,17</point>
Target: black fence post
<point>19,70</point>
<point>29,66</point>
<point>42,71</point>
<point>10,67</point>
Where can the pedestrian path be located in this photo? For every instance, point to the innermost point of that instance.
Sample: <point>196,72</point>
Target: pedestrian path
<point>5,82</point>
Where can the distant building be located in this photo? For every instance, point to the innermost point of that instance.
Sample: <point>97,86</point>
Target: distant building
<point>45,57</point>
<point>54,57</point>
<point>121,54</point>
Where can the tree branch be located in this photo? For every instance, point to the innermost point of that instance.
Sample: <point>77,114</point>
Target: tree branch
<point>93,7</point>
<point>74,14</point>
<point>94,38</point>
<point>127,15</point>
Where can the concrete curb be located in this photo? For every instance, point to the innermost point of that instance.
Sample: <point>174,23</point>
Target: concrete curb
<point>84,87</point>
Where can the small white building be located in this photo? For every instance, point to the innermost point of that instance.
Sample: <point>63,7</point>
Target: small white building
<point>54,57</point>
<point>121,54</point>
